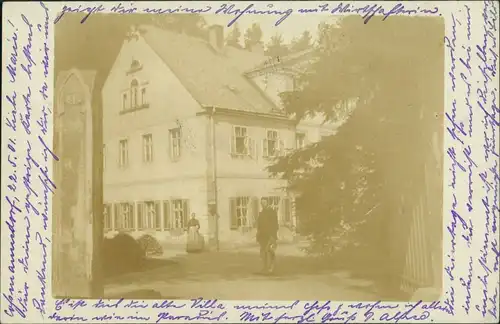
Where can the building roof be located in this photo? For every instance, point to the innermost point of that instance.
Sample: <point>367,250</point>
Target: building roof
<point>213,78</point>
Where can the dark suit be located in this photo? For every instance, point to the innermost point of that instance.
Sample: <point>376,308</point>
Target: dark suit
<point>267,234</point>
<point>267,225</point>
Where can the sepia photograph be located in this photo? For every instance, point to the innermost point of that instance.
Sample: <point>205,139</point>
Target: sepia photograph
<point>252,162</point>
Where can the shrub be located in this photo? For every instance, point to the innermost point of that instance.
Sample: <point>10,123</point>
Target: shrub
<point>150,245</point>
<point>121,254</point>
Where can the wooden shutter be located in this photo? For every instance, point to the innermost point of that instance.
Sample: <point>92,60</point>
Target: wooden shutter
<point>250,147</point>
<point>167,223</point>
<point>233,218</point>
<point>232,142</point>
<point>157,216</point>
<point>140,215</point>
<point>132,216</point>
<point>117,215</point>
<point>264,148</point>
<point>254,203</point>
<point>281,147</point>
<point>185,212</point>
<point>179,141</point>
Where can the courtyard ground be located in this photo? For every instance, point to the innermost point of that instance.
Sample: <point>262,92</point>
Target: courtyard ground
<point>233,274</point>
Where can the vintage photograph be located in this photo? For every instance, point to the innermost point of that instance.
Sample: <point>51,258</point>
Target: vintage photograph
<point>249,162</point>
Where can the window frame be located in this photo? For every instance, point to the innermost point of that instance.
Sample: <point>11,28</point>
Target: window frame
<point>246,141</point>
<point>147,148</point>
<point>178,141</point>
<point>123,159</point>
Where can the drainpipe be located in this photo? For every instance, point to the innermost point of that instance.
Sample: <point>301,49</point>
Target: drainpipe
<point>214,175</point>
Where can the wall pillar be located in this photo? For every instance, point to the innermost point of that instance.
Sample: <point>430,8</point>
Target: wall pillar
<point>78,207</point>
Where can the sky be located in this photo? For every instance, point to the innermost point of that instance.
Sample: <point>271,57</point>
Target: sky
<point>292,27</point>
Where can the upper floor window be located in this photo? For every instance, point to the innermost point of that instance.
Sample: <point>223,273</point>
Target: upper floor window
<point>300,140</point>
<point>123,153</point>
<point>135,97</point>
<point>134,91</point>
<point>144,100</point>
<point>272,145</point>
<point>241,143</point>
<point>175,143</point>
<point>147,148</point>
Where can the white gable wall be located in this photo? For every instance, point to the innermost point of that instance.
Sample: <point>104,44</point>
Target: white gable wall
<point>169,103</point>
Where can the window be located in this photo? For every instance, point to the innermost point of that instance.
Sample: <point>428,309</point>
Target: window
<point>124,216</point>
<point>300,139</point>
<point>134,89</point>
<point>180,213</point>
<point>147,148</point>
<point>135,97</point>
<point>123,158</point>
<point>272,146</point>
<point>124,102</point>
<point>241,143</point>
<point>148,215</point>
<point>107,217</point>
<point>175,143</point>
<point>144,100</point>
<point>273,202</point>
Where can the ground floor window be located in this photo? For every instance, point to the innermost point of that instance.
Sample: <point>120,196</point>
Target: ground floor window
<point>245,210</point>
<point>146,215</point>
<point>124,216</point>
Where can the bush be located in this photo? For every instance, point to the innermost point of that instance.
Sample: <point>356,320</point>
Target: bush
<point>121,254</point>
<point>150,245</point>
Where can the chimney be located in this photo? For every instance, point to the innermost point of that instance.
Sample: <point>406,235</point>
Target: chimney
<point>216,37</point>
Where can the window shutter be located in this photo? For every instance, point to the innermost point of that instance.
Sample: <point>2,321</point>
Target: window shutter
<point>232,144</point>
<point>116,215</point>
<point>232,213</point>
<point>179,141</point>
<point>169,145</point>
<point>281,147</point>
<point>185,209</point>
<point>140,215</point>
<point>133,225</point>
<point>144,96</point>
<point>157,216</point>
<point>166,215</point>
<point>254,207</point>
<point>264,148</point>
<point>247,145</point>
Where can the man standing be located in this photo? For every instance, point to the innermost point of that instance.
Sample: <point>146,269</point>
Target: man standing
<point>267,235</point>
